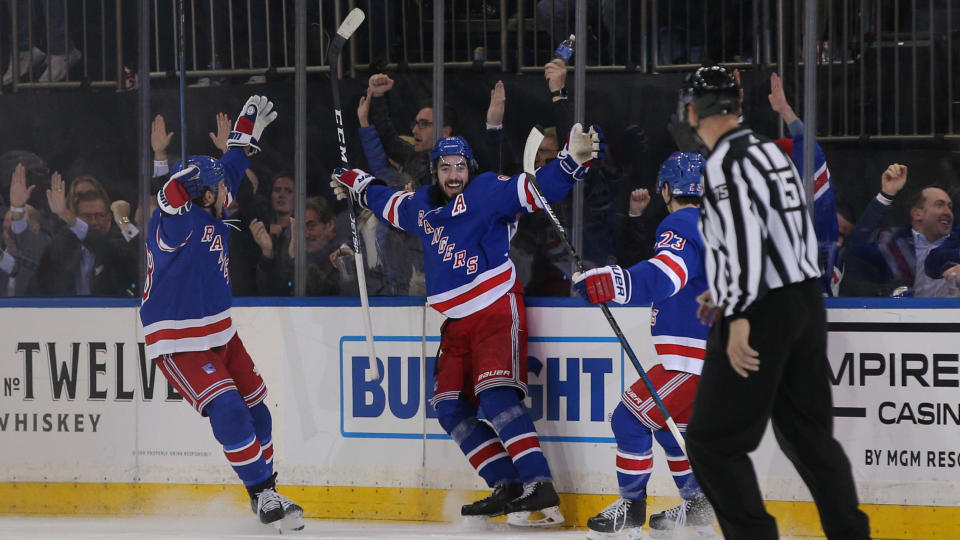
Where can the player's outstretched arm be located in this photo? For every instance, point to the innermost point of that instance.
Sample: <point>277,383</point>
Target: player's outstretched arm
<point>387,204</point>
<point>582,150</point>
<point>256,115</point>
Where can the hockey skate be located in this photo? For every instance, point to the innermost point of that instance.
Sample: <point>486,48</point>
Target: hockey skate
<point>495,503</point>
<point>537,506</point>
<point>695,513</point>
<point>273,508</point>
<point>623,519</point>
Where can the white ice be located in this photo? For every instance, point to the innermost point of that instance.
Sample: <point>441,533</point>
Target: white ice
<point>192,528</point>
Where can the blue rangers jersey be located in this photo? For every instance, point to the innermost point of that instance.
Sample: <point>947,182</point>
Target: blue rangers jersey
<point>466,241</point>
<point>186,293</point>
<point>672,279</point>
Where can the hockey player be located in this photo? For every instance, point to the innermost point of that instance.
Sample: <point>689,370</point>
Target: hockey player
<point>671,280</point>
<point>465,225</point>
<point>185,311</point>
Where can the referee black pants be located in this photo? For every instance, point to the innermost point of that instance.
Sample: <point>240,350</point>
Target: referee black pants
<point>730,413</point>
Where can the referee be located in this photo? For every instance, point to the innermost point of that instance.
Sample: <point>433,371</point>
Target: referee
<point>766,355</point>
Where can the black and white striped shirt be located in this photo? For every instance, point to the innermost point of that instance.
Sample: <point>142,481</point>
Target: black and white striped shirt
<point>754,221</point>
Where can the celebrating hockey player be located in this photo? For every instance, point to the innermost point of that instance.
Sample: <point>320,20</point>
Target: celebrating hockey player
<point>465,225</point>
<point>671,280</point>
<point>185,312</point>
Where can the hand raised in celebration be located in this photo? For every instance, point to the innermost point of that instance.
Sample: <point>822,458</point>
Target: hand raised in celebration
<point>894,178</point>
<point>19,192</point>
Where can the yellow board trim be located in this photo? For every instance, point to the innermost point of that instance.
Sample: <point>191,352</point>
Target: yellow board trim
<point>414,504</point>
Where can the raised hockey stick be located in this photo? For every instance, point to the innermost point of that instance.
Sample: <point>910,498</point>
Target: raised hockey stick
<point>346,29</point>
<point>529,158</point>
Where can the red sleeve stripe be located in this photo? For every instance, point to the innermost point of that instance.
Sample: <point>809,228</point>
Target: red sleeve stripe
<point>528,199</point>
<point>674,268</point>
<point>821,182</point>
<point>163,245</point>
<point>391,209</point>
<point>196,331</point>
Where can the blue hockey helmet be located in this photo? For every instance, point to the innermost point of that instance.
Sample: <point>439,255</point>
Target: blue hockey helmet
<point>683,171</point>
<point>211,172</point>
<point>452,146</point>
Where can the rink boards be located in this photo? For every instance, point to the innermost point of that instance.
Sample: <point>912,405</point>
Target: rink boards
<point>90,426</point>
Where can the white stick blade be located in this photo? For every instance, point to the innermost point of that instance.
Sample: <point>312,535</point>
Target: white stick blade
<point>530,150</point>
<point>351,23</point>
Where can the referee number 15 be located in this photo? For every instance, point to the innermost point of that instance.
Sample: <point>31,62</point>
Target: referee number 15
<point>786,183</point>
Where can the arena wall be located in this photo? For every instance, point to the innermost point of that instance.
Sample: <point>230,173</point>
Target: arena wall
<point>90,426</point>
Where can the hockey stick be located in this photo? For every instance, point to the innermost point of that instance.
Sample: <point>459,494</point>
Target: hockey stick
<point>346,29</point>
<point>529,158</point>
<point>181,44</point>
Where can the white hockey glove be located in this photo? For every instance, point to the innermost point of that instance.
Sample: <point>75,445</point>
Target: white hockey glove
<point>354,180</point>
<point>175,195</point>
<point>581,150</point>
<point>256,115</point>
<point>604,284</point>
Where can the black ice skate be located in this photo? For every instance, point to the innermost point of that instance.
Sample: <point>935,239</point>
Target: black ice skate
<point>537,506</point>
<point>495,503</point>
<point>273,508</point>
<point>695,513</point>
<point>623,517</point>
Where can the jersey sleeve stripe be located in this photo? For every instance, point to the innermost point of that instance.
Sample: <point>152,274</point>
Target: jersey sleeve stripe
<point>673,267</point>
<point>821,182</point>
<point>391,209</point>
<point>528,198</point>
<point>163,245</point>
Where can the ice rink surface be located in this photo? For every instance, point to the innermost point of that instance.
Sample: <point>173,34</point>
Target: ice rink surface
<point>49,528</point>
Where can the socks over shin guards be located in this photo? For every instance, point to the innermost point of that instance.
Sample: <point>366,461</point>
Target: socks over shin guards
<point>679,466</point>
<point>263,426</point>
<point>477,441</point>
<point>515,428</point>
<point>634,453</point>
<point>232,426</point>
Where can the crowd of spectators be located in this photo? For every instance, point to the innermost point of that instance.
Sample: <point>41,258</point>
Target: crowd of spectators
<point>69,237</point>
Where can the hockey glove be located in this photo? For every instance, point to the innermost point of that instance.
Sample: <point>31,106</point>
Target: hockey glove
<point>581,150</point>
<point>604,284</point>
<point>355,180</point>
<point>256,115</point>
<point>179,190</point>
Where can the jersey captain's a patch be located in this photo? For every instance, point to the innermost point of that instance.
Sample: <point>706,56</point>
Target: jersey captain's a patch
<point>459,205</point>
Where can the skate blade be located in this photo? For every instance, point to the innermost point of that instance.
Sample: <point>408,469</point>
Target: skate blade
<point>701,531</point>
<point>626,534</point>
<point>291,522</point>
<point>548,517</point>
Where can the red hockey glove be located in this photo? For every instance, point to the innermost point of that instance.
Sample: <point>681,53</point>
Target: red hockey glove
<point>605,284</point>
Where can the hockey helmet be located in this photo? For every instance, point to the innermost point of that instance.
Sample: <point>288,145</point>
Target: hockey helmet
<point>683,172</point>
<point>211,173</point>
<point>452,146</point>
<point>712,90</point>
